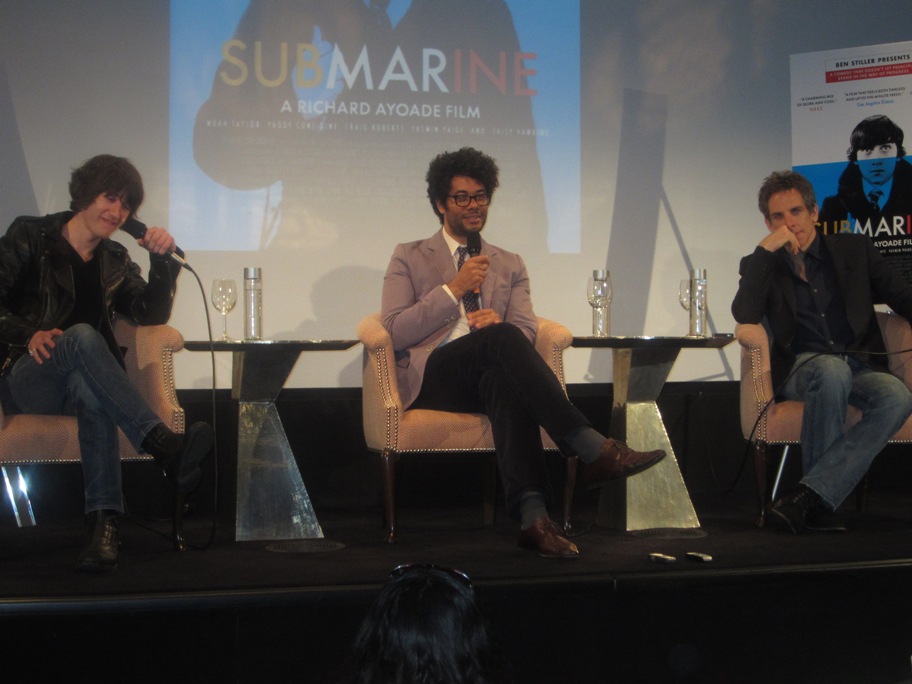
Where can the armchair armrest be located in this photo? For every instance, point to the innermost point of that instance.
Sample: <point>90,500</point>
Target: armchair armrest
<point>897,335</point>
<point>149,359</point>
<point>382,405</point>
<point>756,375</point>
<point>550,341</point>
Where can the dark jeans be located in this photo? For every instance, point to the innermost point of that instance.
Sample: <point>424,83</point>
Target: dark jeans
<point>497,371</point>
<point>83,379</point>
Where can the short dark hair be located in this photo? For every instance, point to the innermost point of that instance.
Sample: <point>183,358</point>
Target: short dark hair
<point>106,174</point>
<point>873,131</point>
<point>467,162</point>
<point>781,181</point>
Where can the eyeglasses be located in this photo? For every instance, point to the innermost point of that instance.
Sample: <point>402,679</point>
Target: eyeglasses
<point>463,199</point>
<point>406,568</point>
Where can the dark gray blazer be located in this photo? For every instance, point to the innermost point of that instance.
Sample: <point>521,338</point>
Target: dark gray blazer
<point>766,294</point>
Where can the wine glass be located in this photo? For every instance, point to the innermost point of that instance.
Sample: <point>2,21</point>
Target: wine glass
<point>599,295</point>
<point>224,297</point>
<point>684,293</point>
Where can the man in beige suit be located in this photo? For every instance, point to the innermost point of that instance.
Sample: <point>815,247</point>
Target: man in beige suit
<point>459,312</point>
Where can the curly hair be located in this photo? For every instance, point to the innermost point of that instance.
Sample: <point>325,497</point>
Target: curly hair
<point>106,174</point>
<point>467,162</point>
<point>782,181</point>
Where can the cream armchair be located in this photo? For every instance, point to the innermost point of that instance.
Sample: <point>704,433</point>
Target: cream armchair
<point>28,439</point>
<point>780,423</point>
<point>390,430</point>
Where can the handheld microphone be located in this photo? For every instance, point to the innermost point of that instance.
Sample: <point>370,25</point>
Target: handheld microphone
<point>137,229</point>
<point>473,245</point>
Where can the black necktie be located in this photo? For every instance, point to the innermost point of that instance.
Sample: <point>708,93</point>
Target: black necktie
<point>469,299</point>
<point>875,196</point>
<point>378,9</point>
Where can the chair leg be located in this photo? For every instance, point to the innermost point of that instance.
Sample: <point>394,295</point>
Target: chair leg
<point>179,508</point>
<point>17,491</point>
<point>761,461</point>
<point>774,494</point>
<point>490,489</point>
<point>861,494</point>
<point>569,491</point>
<point>388,459</point>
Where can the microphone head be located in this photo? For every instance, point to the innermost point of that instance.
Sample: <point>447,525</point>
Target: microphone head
<point>134,228</point>
<point>473,244</point>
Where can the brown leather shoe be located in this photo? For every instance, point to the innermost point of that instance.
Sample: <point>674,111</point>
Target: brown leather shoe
<point>617,460</point>
<point>545,537</point>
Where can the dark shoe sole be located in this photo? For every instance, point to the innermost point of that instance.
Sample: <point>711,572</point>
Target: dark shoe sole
<point>96,567</point>
<point>834,527</point>
<point>827,529</point>
<point>646,465</point>
<point>535,549</point>
<point>782,521</point>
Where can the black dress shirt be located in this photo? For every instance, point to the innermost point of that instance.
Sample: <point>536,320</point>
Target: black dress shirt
<point>821,321</point>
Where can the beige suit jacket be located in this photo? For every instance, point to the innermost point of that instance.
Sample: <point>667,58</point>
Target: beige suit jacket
<point>419,313</point>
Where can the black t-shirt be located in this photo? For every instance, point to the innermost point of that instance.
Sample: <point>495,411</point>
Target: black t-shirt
<point>88,307</point>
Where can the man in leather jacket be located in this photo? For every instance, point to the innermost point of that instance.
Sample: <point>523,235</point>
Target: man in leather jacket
<point>62,280</point>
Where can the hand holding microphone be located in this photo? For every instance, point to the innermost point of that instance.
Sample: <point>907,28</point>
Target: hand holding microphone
<point>473,245</point>
<point>479,318</point>
<point>472,272</point>
<point>156,240</point>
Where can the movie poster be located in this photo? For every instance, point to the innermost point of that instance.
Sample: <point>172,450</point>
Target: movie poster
<point>297,123</point>
<point>851,109</point>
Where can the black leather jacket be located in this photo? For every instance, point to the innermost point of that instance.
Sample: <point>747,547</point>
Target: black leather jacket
<point>37,290</point>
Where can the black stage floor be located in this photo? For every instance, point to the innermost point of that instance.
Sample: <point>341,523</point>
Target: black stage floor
<point>769,607</point>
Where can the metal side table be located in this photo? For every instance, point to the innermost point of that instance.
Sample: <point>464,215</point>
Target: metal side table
<point>271,500</point>
<point>656,499</point>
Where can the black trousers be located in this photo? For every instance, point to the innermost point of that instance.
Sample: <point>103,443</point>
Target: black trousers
<point>497,371</point>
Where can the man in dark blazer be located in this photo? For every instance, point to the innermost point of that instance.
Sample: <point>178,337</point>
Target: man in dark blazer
<point>462,327</point>
<point>815,294</point>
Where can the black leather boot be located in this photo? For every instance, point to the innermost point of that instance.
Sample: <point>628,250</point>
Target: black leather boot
<point>179,455</point>
<point>791,511</point>
<point>102,543</point>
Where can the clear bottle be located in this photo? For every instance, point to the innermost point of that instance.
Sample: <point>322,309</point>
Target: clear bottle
<point>253,303</point>
<point>697,306</point>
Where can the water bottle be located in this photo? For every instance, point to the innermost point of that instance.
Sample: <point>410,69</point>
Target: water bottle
<point>697,306</point>
<point>253,303</point>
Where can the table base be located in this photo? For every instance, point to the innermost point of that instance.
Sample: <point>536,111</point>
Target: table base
<point>272,502</point>
<point>656,498</point>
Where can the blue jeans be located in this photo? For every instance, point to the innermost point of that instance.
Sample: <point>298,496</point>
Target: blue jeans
<point>836,459</point>
<point>83,379</point>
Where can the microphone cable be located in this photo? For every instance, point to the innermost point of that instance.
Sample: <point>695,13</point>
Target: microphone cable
<point>215,451</point>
